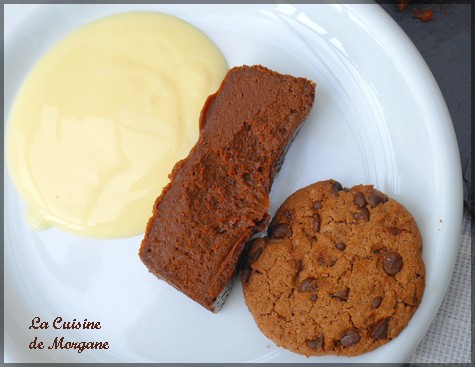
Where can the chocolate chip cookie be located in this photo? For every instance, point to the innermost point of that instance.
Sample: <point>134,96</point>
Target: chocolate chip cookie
<point>339,273</point>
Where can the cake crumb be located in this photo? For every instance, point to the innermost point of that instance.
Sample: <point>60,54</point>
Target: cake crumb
<point>423,15</point>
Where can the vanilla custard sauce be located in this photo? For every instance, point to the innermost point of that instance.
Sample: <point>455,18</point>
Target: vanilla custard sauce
<point>102,118</point>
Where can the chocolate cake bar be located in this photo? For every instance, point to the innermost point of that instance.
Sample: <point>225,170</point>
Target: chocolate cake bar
<point>218,197</point>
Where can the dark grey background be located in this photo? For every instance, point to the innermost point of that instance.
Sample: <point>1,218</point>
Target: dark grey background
<point>445,44</point>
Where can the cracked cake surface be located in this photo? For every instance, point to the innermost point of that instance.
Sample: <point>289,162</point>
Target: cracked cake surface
<point>339,273</point>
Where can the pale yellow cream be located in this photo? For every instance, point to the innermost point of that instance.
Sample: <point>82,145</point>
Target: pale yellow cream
<point>102,118</point>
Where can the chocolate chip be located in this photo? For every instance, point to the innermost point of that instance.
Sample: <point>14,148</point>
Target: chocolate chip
<point>350,338</point>
<point>289,215</point>
<point>377,198</point>
<point>280,230</point>
<point>317,205</point>
<point>255,255</point>
<point>315,343</point>
<point>394,231</point>
<point>342,295</point>
<point>392,263</point>
<point>359,199</point>
<point>340,246</point>
<point>313,297</point>
<point>246,272</point>
<point>336,187</point>
<point>308,285</point>
<point>246,177</point>
<point>379,330</point>
<point>316,223</point>
<point>376,302</point>
<point>362,214</point>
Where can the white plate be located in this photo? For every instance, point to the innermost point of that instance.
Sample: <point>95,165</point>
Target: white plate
<point>379,118</point>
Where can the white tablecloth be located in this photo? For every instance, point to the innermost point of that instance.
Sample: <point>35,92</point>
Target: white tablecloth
<point>449,337</point>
